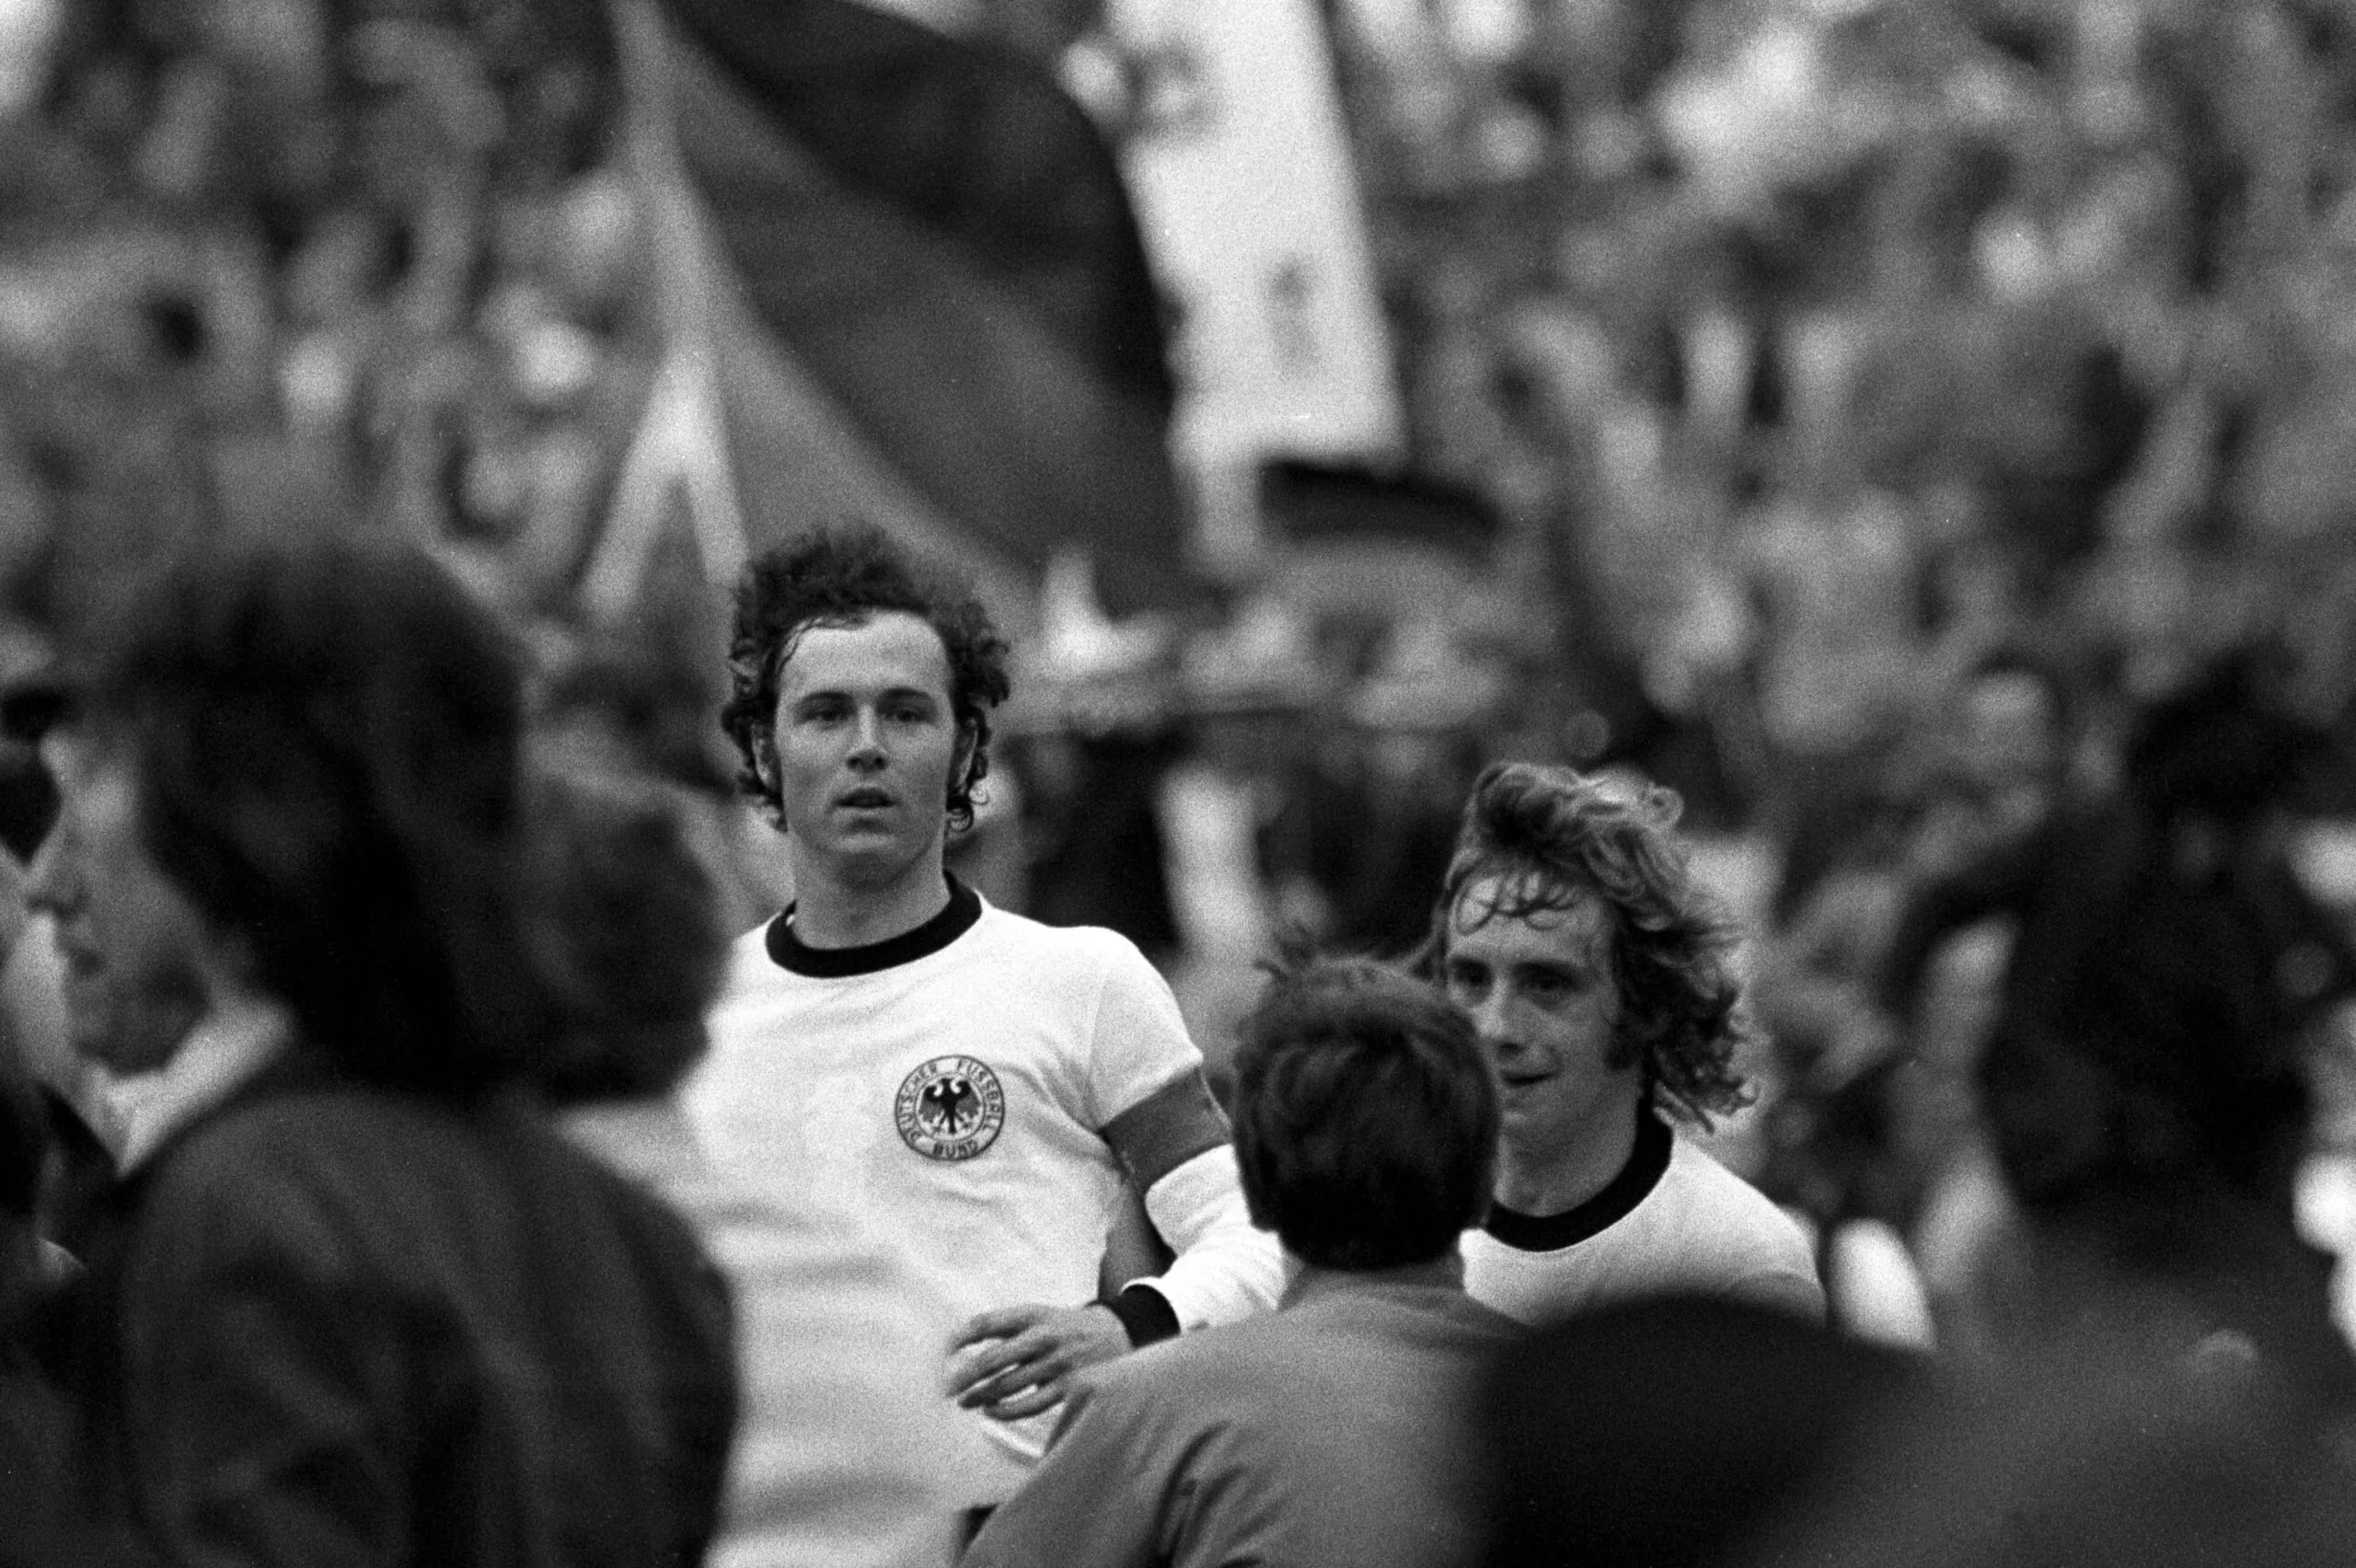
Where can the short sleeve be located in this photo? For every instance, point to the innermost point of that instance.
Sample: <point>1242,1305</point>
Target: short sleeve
<point>1137,1041</point>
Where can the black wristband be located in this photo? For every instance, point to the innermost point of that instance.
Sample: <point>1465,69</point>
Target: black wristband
<point>1146,1313</point>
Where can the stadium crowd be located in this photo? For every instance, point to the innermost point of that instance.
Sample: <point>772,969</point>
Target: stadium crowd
<point>1749,967</point>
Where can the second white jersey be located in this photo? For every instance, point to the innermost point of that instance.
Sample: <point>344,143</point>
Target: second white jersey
<point>1700,1228</point>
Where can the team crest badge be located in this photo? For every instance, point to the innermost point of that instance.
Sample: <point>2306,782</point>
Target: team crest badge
<point>951,1108</point>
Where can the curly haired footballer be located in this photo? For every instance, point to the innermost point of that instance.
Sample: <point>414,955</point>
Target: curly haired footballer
<point>841,578</point>
<point>1551,837</point>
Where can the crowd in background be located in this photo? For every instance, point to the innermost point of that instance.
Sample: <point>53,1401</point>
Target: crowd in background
<point>262,259</point>
<point>1792,369</point>
<point>1847,340</point>
<point>1907,428</point>
<point>1794,356</point>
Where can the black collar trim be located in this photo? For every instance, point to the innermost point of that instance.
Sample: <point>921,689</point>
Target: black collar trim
<point>956,918</point>
<point>1647,1162</point>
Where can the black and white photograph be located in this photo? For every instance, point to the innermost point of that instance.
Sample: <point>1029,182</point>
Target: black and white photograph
<point>1178,783</point>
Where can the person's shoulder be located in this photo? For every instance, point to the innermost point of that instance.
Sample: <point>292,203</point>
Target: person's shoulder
<point>1729,1208</point>
<point>341,1158</point>
<point>308,1171</point>
<point>1148,1388</point>
<point>1701,1172</point>
<point>750,965</point>
<point>1002,925</point>
<point>1079,950</point>
<point>1424,1316</point>
<point>1717,1232</point>
<point>318,1124</point>
<point>1193,1370</point>
<point>1243,1370</point>
<point>1481,1323</point>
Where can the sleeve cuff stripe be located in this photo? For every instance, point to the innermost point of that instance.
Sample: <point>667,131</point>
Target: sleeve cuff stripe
<point>1146,1313</point>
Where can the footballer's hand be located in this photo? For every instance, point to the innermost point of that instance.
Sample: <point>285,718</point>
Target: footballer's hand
<point>1020,1361</point>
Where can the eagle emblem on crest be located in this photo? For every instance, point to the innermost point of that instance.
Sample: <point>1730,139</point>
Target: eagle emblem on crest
<point>949,1108</point>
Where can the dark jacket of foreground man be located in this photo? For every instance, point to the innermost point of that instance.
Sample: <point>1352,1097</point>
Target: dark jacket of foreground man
<point>330,1324</point>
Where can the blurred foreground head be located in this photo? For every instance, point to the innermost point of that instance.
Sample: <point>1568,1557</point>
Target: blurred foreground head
<point>2101,1456</point>
<point>312,746</point>
<point>2154,1028</point>
<point>1365,1117</point>
<point>627,932</point>
<point>1670,1433</point>
<point>1543,840</point>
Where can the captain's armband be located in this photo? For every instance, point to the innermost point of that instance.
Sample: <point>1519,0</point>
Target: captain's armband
<point>1167,1128</point>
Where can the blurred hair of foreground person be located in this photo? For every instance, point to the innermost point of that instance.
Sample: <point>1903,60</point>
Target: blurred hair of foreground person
<point>841,1440</point>
<point>1670,1432</point>
<point>1338,1431</point>
<point>351,1300</point>
<point>1599,977</point>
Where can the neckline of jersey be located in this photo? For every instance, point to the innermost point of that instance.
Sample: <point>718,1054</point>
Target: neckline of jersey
<point>1647,1163</point>
<point>958,916</point>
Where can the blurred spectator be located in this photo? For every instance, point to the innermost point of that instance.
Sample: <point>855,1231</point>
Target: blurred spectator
<point>1841,634</point>
<point>2169,1387</point>
<point>841,1440</point>
<point>2161,928</point>
<point>1983,767</point>
<point>1831,1128</point>
<point>2146,1086</point>
<point>1874,1117</point>
<point>1335,1431</point>
<point>1673,1433</point>
<point>643,708</point>
<point>37,1525</point>
<point>350,1300</point>
<point>1599,977</point>
<point>1368,823</point>
<point>2015,730</point>
<point>1093,834</point>
<point>29,1420</point>
<point>24,1160</point>
<point>2006,746</point>
<point>2089,1456</point>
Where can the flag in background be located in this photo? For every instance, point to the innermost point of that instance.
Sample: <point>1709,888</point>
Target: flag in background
<point>938,240</point>
<point>1243,177</point>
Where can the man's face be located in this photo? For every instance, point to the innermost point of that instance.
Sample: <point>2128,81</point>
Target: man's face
<point>865,743</point>
<point>131,945</point>
<point>1544,998</point>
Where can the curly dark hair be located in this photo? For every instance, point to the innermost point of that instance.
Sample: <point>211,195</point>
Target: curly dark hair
<point>1553,838</point>
<point>842,576</point>
<point>1366,1115</point>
